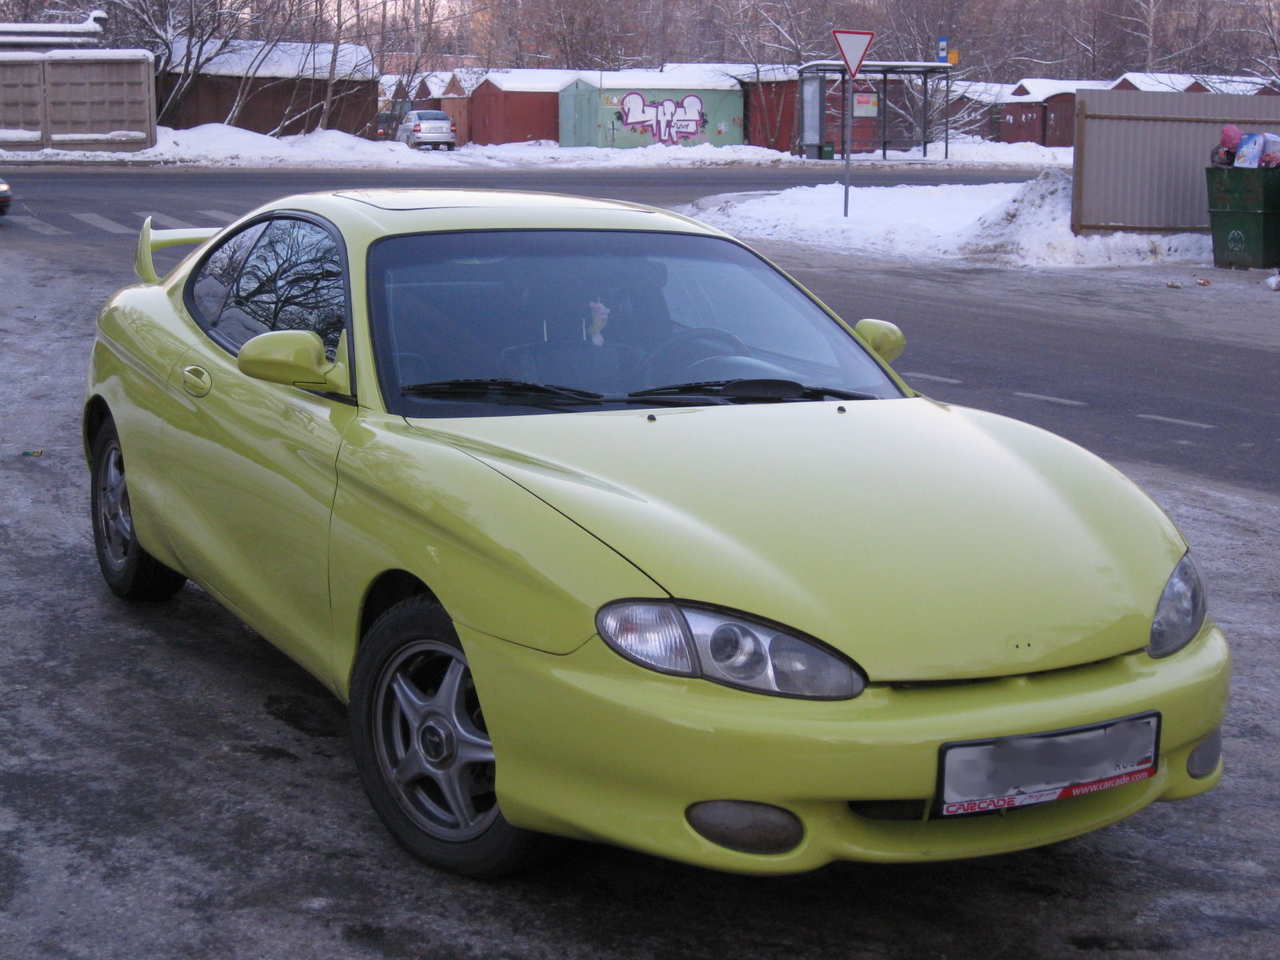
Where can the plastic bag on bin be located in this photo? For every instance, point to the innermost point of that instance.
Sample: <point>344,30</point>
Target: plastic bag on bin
<point>1251,150</point>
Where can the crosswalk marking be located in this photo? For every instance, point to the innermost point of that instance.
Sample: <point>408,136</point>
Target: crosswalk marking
<point>220,215</point>
<point>102,223</point>
<point>39,226</point>
<point>164,221</point>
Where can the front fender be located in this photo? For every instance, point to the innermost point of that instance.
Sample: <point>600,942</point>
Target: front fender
<point>500,560</point>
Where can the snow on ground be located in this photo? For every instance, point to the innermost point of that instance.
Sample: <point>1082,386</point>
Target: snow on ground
<point>966,149</point>
<point>1026,224</point>
<point>215,144</point>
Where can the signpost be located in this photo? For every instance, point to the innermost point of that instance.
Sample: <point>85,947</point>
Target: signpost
<point>853,46</point>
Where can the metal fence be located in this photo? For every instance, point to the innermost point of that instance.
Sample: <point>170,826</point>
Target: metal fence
<point>77,100</point>
<point>1140,157</point>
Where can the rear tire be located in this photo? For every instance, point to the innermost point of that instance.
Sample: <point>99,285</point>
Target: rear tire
<point>129,570</point>
<point>421,747</point>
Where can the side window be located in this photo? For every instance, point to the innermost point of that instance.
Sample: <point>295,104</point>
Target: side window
<point>292,280</point>
<point>214,280</point>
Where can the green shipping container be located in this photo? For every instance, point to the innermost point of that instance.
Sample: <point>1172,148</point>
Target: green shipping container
<point>636,115</point>
<point>1244,216</point>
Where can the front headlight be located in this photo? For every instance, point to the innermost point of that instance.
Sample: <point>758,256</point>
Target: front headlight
<point>1180,612</point>
<point>726,648</point>
<point>4,188</point>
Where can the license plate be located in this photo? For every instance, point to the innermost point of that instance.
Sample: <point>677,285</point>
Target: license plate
<point>979,776</point>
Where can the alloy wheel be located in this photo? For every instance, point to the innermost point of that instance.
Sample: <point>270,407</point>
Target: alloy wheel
<point>432,746</point>
<point>115,519</point>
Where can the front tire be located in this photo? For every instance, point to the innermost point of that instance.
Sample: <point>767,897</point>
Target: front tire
<point>129,570</point>
<point>421,747</point>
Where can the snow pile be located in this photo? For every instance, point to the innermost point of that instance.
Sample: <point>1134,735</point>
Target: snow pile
<point>1026,224</point>
<point>215,144</point>
<point>968,149</point>
<point>1035,228</point>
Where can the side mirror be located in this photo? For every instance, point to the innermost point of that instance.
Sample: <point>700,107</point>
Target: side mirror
<point>883,337</point>
<point>296,357</point>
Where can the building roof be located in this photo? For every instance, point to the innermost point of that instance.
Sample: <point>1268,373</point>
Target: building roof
<point>1157,82</point>
<point>83,34</point>
<point>988,93</point>
<point>1239,85</point>
<point>682,77</point>
<point>1038,89</point>
<point>530,80</point>
<point>281,61</point>
<point>436,82</point>
<point>469,78</point>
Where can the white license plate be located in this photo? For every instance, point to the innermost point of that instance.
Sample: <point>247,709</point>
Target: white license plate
<point>979,776</point>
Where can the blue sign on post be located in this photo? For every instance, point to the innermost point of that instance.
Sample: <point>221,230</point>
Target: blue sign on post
<point>942,49</point>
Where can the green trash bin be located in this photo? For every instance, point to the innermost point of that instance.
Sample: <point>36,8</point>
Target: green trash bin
<point>828,151</point>
<point>1244,216</point>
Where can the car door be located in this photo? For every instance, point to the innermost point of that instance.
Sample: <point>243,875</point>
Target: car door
<point>254,462</point>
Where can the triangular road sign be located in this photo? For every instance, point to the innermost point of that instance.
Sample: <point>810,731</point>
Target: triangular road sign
<point>853,46</point>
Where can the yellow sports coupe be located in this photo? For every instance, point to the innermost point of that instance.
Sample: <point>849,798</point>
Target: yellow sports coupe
<point>604,527</point>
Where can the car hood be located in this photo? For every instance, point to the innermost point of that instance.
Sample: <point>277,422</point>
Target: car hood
<point>926,541</point>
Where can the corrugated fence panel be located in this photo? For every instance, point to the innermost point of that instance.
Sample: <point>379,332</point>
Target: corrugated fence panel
<point>1140,157</point>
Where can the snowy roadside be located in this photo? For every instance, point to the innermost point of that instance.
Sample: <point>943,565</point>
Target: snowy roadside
<point>218,145</point>
<point>1014,224</point>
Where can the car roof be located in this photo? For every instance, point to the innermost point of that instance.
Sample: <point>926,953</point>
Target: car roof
<point>371,213</point>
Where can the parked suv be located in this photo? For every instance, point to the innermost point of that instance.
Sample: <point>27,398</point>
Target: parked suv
<point>433,128</point>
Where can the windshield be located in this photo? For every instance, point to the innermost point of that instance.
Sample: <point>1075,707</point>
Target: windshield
<point>470,324</point>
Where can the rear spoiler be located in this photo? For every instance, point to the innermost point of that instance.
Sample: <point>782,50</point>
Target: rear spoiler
<point>149,241</point>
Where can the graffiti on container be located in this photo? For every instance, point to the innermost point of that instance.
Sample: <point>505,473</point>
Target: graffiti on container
<point>667,121</point>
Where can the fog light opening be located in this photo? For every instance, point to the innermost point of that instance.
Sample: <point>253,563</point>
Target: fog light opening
<point>1203,760</point>
<point>746,826</point>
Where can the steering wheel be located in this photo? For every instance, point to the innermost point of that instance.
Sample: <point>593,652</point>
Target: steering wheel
<point>682,350</point>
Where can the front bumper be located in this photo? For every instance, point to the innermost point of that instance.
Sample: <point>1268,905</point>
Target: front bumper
<point>592,746</point>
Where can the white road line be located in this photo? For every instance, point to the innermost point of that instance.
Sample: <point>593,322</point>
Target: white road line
<point>931,376</point>
<point>164,221</point>
<point>220,215</point>
<point>1047,399</point>
<point>1176,422</point>
<point>39,226</point>
<point>102,223</point>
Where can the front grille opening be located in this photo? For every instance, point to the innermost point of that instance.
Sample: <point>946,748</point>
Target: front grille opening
<point>890,809</point>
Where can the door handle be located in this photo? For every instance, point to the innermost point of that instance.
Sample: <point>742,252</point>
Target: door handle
<point>196,381</point>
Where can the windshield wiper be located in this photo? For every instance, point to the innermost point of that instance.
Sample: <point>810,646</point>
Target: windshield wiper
<point>754,389</point>
<point>482,387</point>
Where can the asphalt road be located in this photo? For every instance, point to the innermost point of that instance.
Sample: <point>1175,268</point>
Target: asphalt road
<point>172,786</point>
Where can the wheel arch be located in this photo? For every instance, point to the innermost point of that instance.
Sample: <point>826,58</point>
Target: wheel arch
<point>387,589</point>
<point>96,413</point>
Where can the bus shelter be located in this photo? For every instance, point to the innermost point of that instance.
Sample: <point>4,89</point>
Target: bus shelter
<point>835,111</point>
